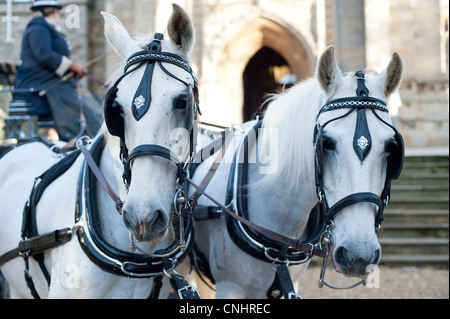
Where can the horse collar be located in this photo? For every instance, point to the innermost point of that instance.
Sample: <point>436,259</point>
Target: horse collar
<point>108,257</point>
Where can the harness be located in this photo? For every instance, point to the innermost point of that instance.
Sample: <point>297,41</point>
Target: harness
<point>273,248</point>
<point>119,262</point>
<point>104,255</point>
<point>259,242</point>
<point>141,103</point>
<point>362,143</point>
<point>33,244</point>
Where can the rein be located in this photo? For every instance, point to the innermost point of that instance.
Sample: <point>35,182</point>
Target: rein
<point>297,245</point>
<point>81,143</point>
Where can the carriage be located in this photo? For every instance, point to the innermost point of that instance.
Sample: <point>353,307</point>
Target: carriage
<point>155,197</point>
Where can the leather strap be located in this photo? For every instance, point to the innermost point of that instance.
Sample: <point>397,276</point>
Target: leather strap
<point>357,198</point>
<point>284,278</point>
<point>296,244</point>
<point>193,200</point>
<point>38,244</point>
<point>183,288</point>
<point>154,150</point>
<point>98,174</point>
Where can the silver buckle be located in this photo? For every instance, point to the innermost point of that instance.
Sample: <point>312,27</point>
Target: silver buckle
<point>293,295</point>
<point>185,288</point>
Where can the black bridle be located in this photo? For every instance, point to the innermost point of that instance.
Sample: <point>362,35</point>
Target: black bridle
<point>141,103</point>
<point>362,144</point>
<point>98,250</point>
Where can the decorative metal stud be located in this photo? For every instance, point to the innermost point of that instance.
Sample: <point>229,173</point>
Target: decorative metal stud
<point>362,142</point>
<point>139,102</point>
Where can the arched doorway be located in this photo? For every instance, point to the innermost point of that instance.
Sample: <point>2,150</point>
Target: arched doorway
<point>267,72</point>
<point>223,82</point>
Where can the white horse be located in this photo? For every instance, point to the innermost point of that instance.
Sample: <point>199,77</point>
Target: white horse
<point>281,190</point>
<point>148,203</point>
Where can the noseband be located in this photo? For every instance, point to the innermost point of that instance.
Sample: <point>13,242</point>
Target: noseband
<point>141,104</point>
<point>362,143</point>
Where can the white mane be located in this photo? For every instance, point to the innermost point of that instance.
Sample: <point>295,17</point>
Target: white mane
<point>293,114</point>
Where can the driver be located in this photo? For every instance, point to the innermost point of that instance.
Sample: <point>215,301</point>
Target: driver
<point>45,56</point>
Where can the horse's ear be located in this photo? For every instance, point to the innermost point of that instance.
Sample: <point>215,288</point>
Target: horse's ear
<point>181,30</point>
<point>328,72</point>
<point>118,36</point>
<point>392,75</point>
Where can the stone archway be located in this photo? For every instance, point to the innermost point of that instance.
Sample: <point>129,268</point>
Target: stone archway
<point>263,75</point>
<point>239,50</point>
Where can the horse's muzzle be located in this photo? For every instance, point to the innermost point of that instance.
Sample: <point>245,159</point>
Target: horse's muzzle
<point>152,227</point>
<point>355,263</point>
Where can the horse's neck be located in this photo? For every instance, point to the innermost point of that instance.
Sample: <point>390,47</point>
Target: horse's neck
<point>113,228</point>
<point>277,206</point>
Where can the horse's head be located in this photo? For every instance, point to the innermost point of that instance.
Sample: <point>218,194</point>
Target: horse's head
<point>356,149</point>
<point>147,108</point>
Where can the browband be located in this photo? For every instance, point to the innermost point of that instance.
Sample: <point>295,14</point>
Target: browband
<point>355,102</point>
<point>156,55</point>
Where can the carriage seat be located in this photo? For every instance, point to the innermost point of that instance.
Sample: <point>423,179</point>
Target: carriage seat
<point>21,122</point>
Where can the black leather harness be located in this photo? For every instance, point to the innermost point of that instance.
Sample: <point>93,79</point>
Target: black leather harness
<point>257,241</point>
<point>362,143</point>
<point>32,243</point>
<point>98,250</point>
<point>103,254</point>
<point>279,253</point>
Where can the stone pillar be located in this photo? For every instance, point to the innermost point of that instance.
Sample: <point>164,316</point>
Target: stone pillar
<point>350,40</point>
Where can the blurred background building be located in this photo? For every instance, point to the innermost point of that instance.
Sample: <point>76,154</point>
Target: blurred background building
<point>245,49</point>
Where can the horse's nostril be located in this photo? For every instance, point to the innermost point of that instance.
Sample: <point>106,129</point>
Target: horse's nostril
<point>156,220</point>
<point>127,220</point>
<point>377,257</point>
<point>342,257</point>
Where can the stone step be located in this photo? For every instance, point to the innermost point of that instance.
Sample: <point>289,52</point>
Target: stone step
<point>414,246</point>
<point>427,202</point>
<point>429,168</point>
<point>422,178</point>
<point>418,190</point>
<point>436,159</point>
<point>414,230</point>
<point>415,216</point>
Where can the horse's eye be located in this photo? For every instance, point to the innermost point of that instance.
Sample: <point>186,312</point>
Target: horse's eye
<point>179,102</point>
<point>328,144</point>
